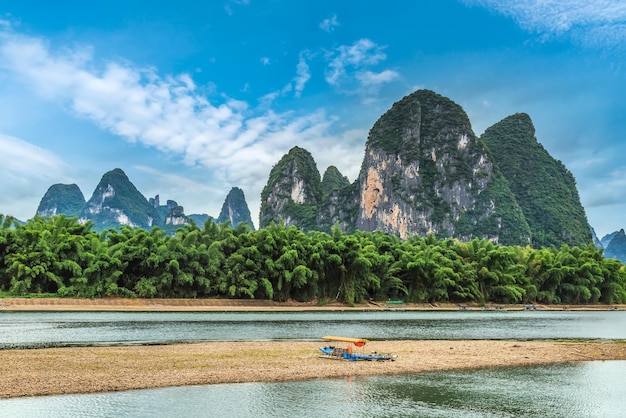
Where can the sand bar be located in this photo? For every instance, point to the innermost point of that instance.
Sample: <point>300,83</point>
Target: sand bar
<point>50,371</point>
<point>100,369</point>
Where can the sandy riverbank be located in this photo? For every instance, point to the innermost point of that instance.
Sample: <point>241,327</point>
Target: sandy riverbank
<point>99,369</point>
<point>181,305</point>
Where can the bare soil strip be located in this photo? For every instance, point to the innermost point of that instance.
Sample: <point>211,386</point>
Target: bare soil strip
<point>181,305</point>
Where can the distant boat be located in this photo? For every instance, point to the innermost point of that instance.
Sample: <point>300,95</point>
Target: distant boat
<point>333,352</point>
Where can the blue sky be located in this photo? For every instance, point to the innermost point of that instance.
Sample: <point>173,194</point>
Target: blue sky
<point>192,98</point>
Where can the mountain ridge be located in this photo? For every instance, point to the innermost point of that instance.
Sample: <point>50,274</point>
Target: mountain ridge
<point>426,172</point>
<point>543,186</point>
<point>116,201</point>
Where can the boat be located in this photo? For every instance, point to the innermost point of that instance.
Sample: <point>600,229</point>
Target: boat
<point>333,352</point>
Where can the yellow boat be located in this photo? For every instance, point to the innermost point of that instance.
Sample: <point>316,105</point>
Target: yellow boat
<point>335,353</point>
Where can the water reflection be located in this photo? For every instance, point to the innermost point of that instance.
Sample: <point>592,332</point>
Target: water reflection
<point>586,389</point>
<point>38,329</point>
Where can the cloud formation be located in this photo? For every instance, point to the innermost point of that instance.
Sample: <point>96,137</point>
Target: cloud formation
<point>22,159</point>
<point>599,22</point>
<point>362,53</point>
<point>238,143</point>
<point>372,79</point>
<point>302,74</point>
<point>229,3</point>
<point>610,190</point>
<point>23,166</point>
<point>348,68</point>
<point>329,25</point>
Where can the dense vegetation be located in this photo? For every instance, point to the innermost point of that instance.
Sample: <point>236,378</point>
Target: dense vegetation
<point>544,188</point>
<point>333,180</point>
<point>422,114</point>
<point>297,164</point>
<point>58,255</point>
<point>125,199</point>
<point>66,198</point>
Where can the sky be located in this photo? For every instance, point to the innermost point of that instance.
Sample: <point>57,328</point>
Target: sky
<point>193,98</point>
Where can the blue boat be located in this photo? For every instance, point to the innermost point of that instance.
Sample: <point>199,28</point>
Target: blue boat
<point>333,352</point>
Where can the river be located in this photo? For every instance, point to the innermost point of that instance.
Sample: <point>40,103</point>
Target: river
<point>589,389</point>
<point>46,329</point>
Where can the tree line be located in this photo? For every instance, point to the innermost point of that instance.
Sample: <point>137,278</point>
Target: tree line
<point>63,257</point>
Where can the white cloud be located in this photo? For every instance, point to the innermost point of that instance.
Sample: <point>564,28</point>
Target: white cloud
<point>296,84</point>
<point>267,99</point>
<point>329,24</point>
<point>373,79</point>
<point>229,9</point>
<point>265,60</point>
<point>20,158</point>
<point>302,74</point>
<point>24,168</point>
<point>238,144</point>
<point>362,53</point>
<point>349,69</point>
<point>134,103</point>
<point>592,22</point>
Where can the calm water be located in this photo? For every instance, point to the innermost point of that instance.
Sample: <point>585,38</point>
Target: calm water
<point>586,389</point>
<point>41,329</point>
<point>590,389</point>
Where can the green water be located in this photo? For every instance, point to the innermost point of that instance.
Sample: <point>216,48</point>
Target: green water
<point>588,389</point>
<point>41,329</point>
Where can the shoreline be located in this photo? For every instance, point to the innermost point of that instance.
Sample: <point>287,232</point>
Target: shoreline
<point>251,305</point>
<point>74,370</point>
<point>56,371</point>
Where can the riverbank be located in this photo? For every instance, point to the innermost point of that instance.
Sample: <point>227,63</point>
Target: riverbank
<point>101,369</point>
<point>208,305</point>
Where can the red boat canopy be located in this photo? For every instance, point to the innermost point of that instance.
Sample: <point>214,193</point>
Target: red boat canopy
<point>359,342</point>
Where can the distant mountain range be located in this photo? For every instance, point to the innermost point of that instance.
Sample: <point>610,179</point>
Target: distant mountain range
<point>115,201</point>
<point>424,172</point>
<point>614,245</point>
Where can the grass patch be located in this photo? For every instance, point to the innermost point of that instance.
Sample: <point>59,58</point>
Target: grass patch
<point>7,295</point>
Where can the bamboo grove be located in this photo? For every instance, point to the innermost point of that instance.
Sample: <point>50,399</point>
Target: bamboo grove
<point>60,256</point>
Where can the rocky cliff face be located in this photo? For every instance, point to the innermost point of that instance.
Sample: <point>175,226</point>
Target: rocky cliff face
<point>295,194</point>
<point>116,201</point>
<point>426,172</point>
<point>293,191</point>
<point>544,188</point>
<point>62,199</point>
<point>171,212</point>
<point>176,216</point>
<point>235,209</point>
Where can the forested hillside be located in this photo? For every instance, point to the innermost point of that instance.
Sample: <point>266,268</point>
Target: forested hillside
<point>425,171</point>
<point>59,256</point>
<point>544,188</point>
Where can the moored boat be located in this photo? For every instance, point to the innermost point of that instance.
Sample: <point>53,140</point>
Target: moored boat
<point>333,352</point>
